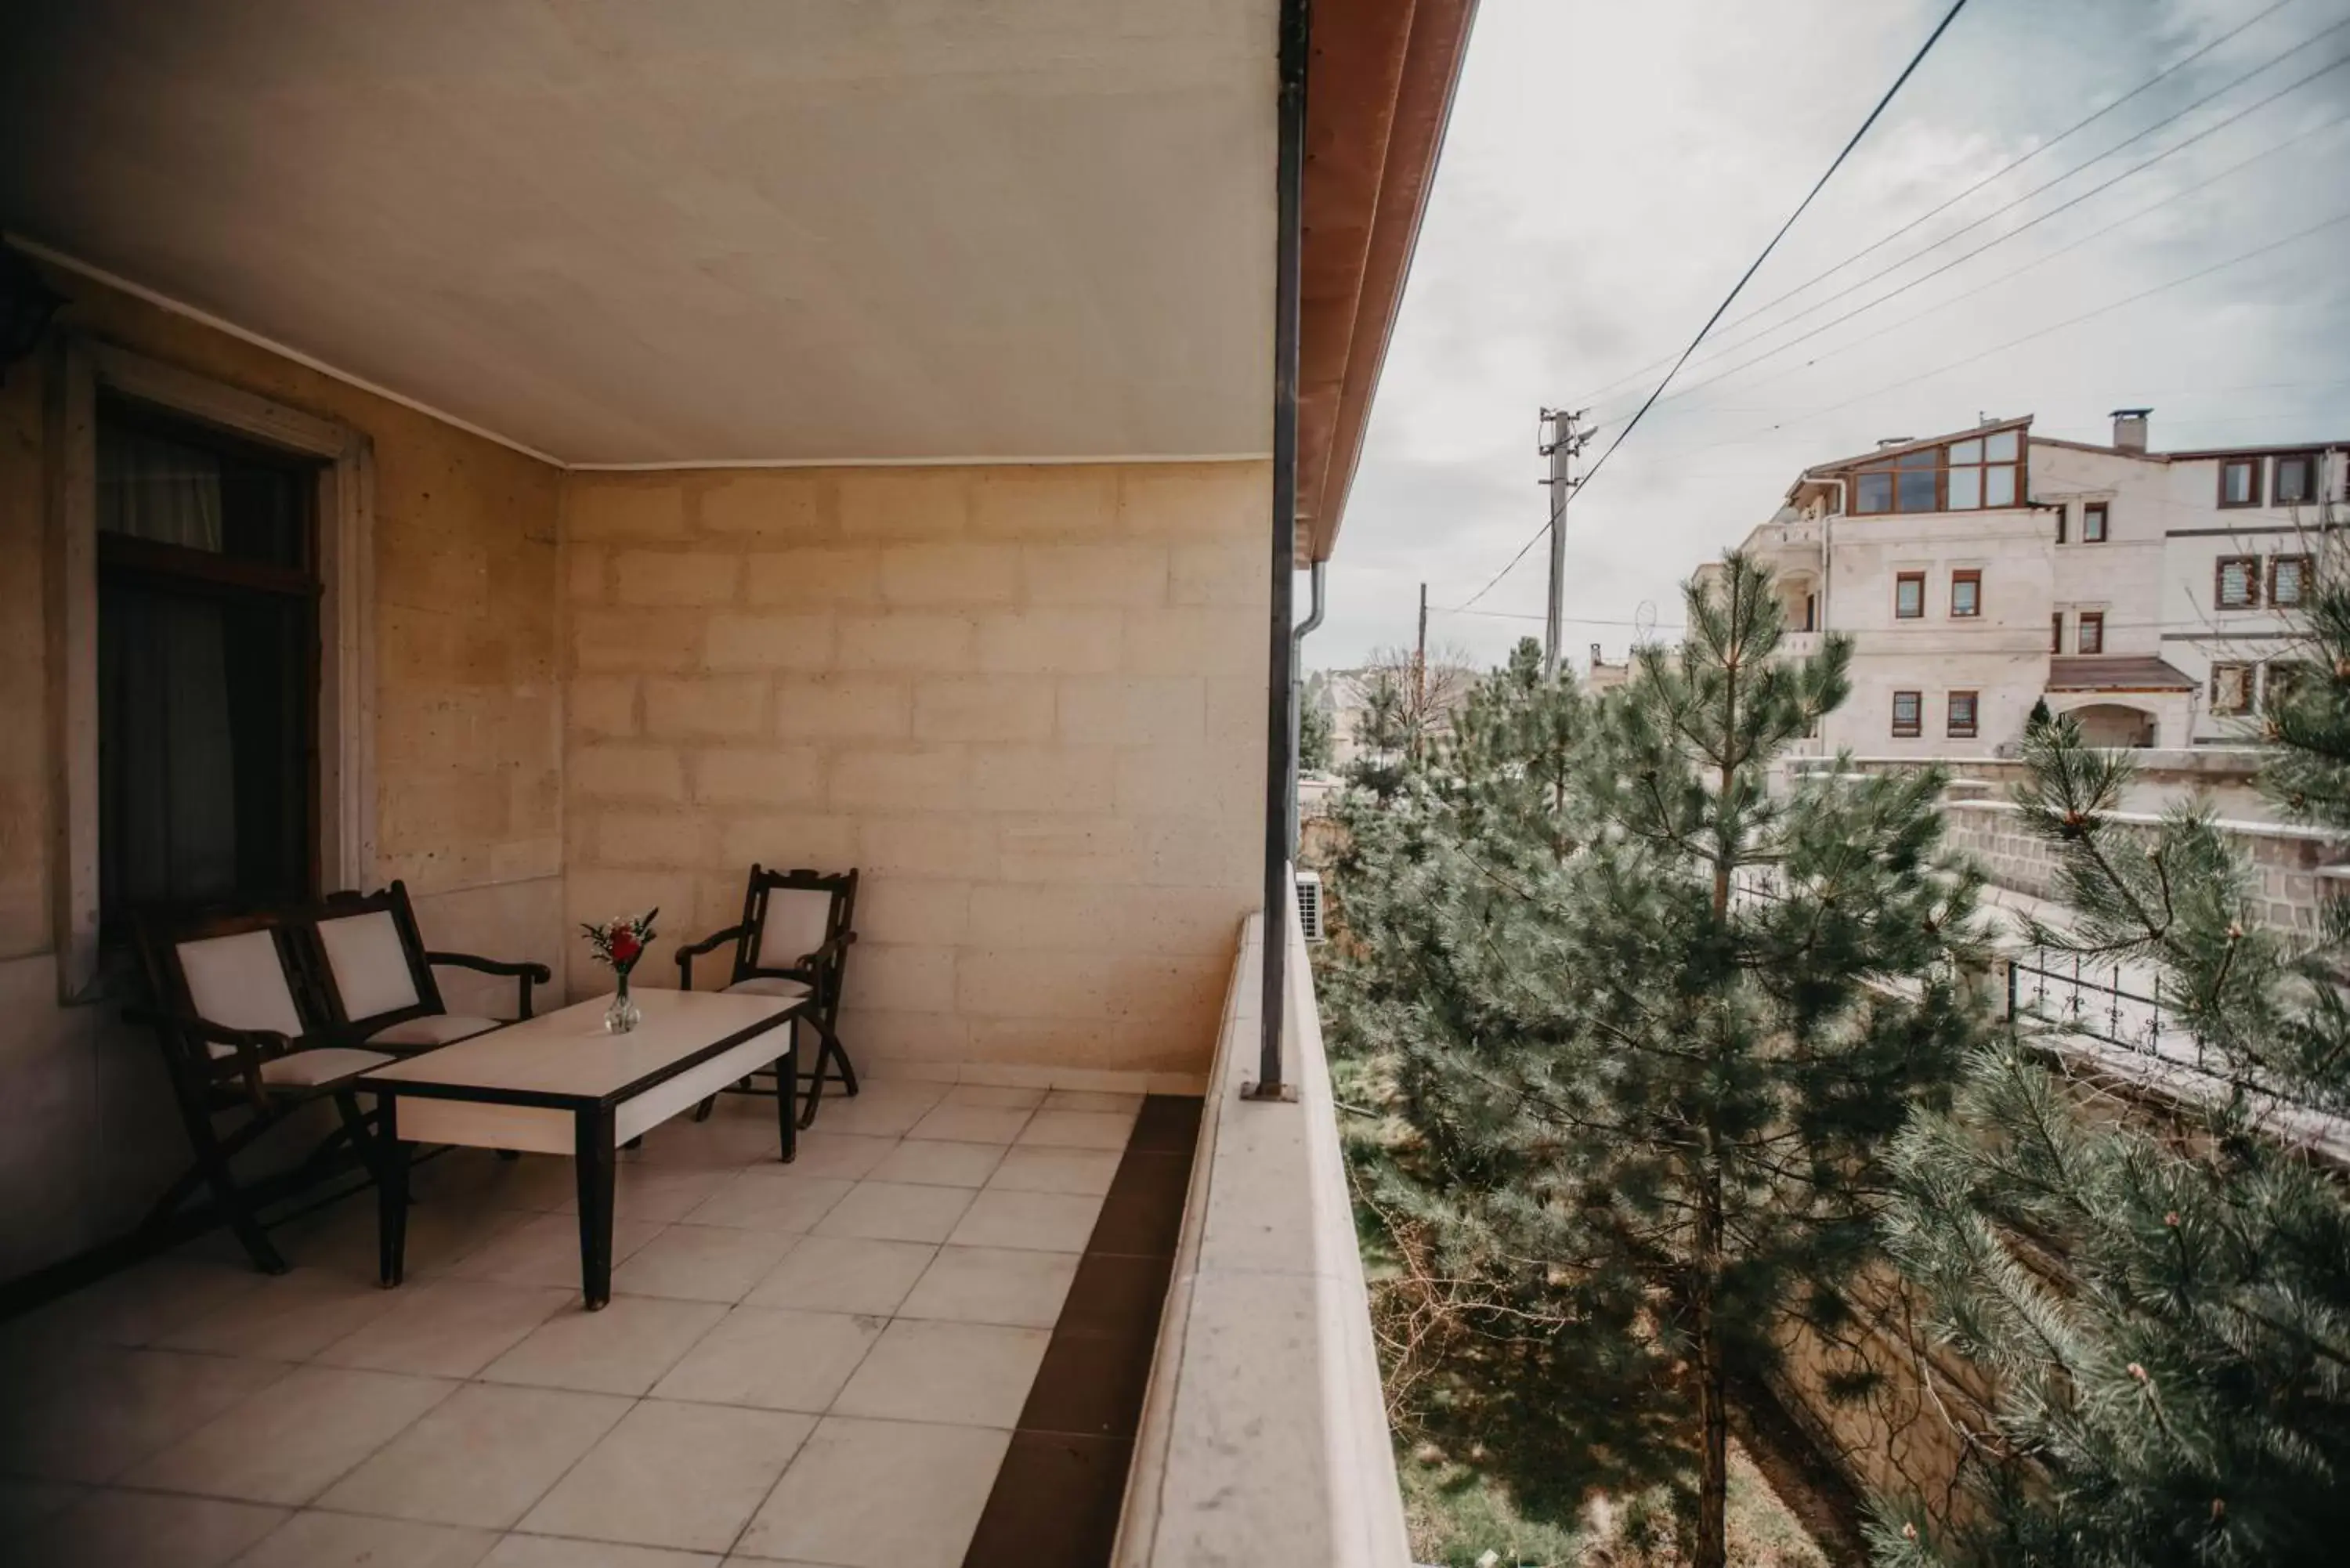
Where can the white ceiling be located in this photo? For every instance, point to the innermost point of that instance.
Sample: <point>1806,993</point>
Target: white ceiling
<point>621,231</point>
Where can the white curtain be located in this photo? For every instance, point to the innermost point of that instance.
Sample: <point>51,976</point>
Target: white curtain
<point>151,488</point>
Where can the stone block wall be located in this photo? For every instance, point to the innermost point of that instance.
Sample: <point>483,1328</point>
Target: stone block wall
<point>1027,701</point>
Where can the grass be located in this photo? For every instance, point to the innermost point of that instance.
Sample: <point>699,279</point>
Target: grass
<point>1456,1517</point>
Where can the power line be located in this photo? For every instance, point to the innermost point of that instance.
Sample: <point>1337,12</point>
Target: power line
<point>2015,273</point>
<point>2000,173</point>
<point>1593,473</point>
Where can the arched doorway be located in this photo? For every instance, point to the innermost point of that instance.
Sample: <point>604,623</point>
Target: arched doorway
<point>2114,724</point>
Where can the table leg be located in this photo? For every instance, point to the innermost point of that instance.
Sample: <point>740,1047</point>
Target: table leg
<point>391,1193</point>
<point>596,1157</point>
<point>787,1077</point>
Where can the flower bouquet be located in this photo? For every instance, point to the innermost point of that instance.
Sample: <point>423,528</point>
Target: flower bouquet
<point>621,942</point>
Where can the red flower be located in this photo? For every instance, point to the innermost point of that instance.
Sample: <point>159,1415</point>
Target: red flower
<point>625,947</point>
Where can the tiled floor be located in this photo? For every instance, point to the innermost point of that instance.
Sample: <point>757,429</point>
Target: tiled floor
<point>821,1364</point>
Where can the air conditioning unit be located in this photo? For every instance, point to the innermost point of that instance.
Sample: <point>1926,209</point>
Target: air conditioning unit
<point>1309,904</point>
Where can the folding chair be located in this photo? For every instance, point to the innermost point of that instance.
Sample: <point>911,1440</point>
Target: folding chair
<point>375,975</point>
<point>793,940</point>
<point>244,1043</point>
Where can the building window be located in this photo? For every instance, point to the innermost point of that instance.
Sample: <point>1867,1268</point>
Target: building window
<point>1910,595</point>
<point>2092,523</point>
<point>1964,476</point>
<point>207,644</point>
<point>2231,688</point>
<point>2236,583</point>
<point>2057,632</point>
<point>1906,709</point>
<point>2296,479</point>
<point>2288,580</point>
<point>1966,595</point>
<point>2239,482</point>
<point>2280,679</point>
<point>1962,724</point>
<point>1983,471</point>
<point>2092,636</point>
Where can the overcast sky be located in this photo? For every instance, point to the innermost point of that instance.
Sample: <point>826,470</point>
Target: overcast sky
<point>1611,169</point>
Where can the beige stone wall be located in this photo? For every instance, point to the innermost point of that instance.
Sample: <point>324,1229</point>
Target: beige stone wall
<point>468,756</point>
<point>1027,701</point>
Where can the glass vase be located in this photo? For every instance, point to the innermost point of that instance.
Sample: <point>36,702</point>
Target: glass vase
<point>622,1015</point>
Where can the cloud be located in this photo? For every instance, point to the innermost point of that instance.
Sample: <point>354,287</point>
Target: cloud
<point>1610,170</point>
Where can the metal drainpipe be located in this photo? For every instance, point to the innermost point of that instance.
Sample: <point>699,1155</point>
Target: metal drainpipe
<point>1280,753</point>
<point>1297,700</point>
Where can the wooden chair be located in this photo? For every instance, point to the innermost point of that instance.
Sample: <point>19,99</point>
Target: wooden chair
<point>793,940</point>
<point>246,1042</point>
<point>374,975</point>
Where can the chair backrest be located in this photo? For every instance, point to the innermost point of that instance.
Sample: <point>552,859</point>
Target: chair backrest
<point>370,959</point>
<point>789,915</point>
<point>244,970</point>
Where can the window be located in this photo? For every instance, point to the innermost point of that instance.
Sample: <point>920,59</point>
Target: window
<point>1964,476</point>
<point>2231,688</point>
<point>1966,595</point>
<point>2281,679</point>
<point>2236,583</point>
<point>1910,595</point>
<point>2296,479</point>
<point>2288,580</point>
<point>2057,632</point>
<point>1961,726</point>
<point>207,643</point>
<point>2092,636</point>
<point>1906,709</point>
<point>2239,482</point>
<point>2061,512</point>
<point>2092,523</point>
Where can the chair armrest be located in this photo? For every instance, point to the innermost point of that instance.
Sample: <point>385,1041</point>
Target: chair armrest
<point>829,955</point>
<point>252,1046</point>
<point>528,973</point>
<point>708,944</point>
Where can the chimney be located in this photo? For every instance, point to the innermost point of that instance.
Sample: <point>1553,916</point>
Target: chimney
<point>1884,442</point>
<point>2129,429</point>
<point>1596,659</point>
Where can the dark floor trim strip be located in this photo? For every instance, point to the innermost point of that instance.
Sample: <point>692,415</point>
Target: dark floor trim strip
<point>1056,1500</point>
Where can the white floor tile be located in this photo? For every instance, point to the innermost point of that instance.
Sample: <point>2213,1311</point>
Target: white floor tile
<point>556,1551</point>
<point>896,1212</point>
<point>545,1250</point>
<point>291,1318</point>
<point>482,1457</point>
<point>933,1164</point>
<point>1022,1289</point>
<point>100,1415</point>
<point>293,1439</point>
<point>686,1476</point>
<point>971,1123</point>
<point>997,1097</point>
<point>843,1273</point>
<point>879,1494</point>
<point>823,1152</point>
<point>967,1373</point>
<point>780,1200</point>
<point>1087,1173</point>
<point>774,1358</point>
<point>623,1349</point>
<point>147,1529</point>
<point>1076,1129</point>
<point>449,1327</point>
<point>1091,1100</point>
<point>313,1539</point>
<point>1049,1222</point>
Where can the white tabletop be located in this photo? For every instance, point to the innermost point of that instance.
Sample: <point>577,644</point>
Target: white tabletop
<point>567,1053</point>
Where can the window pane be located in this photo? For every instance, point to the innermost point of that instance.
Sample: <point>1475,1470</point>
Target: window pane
<point>1924,457</point>
<point>2236,482</point>
<point>1874,494</point>
<point>1910,596</point>
<point>1966,489</point>
<point>1963,595</point>
<point>2285,580</point>
<point>2292,479</point>
<point>155,485</point>
<point>1966,451</point>
<point>2000,448</point>
<point>2235,583</point>
<point>1999,485</point>
<point>2093,633</point>
<point>2093,524</point>
<point>1917,490</point>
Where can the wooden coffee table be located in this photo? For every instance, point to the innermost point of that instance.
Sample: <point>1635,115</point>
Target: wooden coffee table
<point>558,1084</point>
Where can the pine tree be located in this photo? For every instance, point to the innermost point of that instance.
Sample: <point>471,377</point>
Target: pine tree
<point>1316,736</point>
<point>1647,1029</point>
<point>2164,1302</point>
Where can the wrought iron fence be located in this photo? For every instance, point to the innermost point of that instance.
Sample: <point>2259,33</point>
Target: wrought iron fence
<point>2068,992</point>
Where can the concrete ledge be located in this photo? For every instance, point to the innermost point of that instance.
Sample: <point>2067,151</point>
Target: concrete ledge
<point>1265,1435</point>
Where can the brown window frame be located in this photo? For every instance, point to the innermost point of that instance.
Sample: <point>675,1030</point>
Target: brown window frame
<point>1917,723</point>
<point>2101,512</point>
<point>2248,671</point>
<point>1971,576</point>
<point>1898,579</point>
<point>2293,671</point>
<point>2254,466</point>
<point>2057,632</point>
<point>2301,590</point>
<point>1950,715</point>
<point>1901,463</point>
<point>2092,629</point>
<point>2312,483</point>
<point>2252,566</point>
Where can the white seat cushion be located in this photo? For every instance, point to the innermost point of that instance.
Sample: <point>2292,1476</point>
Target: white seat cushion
<point>767,985</point>
<point>369,964</point>
<point>434,1029</point>
<point>307,1069</point>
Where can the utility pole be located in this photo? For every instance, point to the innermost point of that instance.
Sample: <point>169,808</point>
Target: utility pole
<point>1419,657</point>
<point>1561,439</point>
